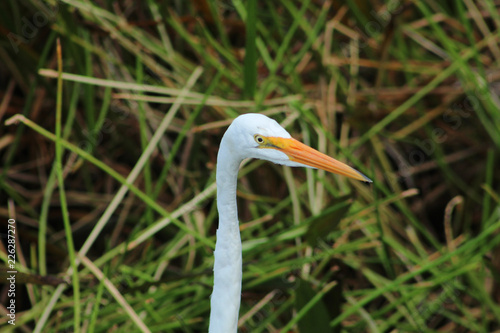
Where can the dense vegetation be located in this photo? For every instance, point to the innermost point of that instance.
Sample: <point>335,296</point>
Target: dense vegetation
<point>109,171</point>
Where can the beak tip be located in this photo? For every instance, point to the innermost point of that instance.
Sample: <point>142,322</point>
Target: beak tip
<point>365,179</point>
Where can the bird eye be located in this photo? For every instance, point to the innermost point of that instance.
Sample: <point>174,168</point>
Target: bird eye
<point>259,139</point>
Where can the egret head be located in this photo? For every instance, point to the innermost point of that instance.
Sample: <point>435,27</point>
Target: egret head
<point>257,136</point>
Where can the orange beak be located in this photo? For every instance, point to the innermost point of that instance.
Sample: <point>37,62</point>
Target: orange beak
<point>299,152</point>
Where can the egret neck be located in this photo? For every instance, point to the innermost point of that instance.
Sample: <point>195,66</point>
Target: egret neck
<point>225,300</point>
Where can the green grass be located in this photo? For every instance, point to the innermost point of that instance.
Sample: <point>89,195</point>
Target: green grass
<point>108,163</point>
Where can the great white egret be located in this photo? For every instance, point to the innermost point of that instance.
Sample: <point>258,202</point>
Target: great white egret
<point>250,136</point>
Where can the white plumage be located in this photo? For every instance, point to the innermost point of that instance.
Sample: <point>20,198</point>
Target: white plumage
<point>250,136</point>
